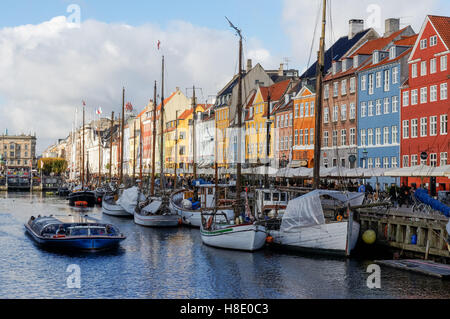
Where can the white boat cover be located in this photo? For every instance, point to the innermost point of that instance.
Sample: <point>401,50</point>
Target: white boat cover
<point>151,208</point>
<point>306,210</point>
<point>129,199</point>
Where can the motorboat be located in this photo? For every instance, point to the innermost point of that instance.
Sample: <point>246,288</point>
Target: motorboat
<point>82,197</point>
<point>151,213</point>
<point>73,232</point>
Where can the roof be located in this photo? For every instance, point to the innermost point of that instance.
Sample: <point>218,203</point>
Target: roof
<point>185,114</point>
<point>249,105</point>
<point>166,100</point>
<point>335,52</point>
<point>276,90</point>
<point>407,40</point>
<point>442,26</point>
<point>377,44</point>
<point>386,60</point>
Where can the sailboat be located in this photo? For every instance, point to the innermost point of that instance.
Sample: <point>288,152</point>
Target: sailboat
<point>321,221</point>
<point>155,212</point>
<point>244,233</point>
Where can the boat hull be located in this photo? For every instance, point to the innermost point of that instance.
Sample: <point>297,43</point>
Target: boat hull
<point>329,239</point>
<point>83,196</point>
<point>81,243</point>
<point>113,209</point>
<point>240,237</point>
<point>157,220</point>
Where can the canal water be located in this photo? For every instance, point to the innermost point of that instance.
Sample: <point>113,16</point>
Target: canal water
<point>173,263</point>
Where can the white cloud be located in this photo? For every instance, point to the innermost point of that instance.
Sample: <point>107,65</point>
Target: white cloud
<point>299,20</point>
<point>49,68</point>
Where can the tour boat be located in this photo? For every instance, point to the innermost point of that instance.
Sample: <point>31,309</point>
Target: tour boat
<point>304,226</point>
<point>73,232</point>
<point>181,203</point>
<point>80,196</point>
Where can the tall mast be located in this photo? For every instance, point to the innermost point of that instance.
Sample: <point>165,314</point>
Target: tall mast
<point>82,161</point>
<point>318,109</point>
<point>121,149</point>
<point>134,150</point>
<point>99,150</point>
<point>161,145</point>
<point>141,150</point>
<point>194,160</point>
<point>216,172</point>
<point>110,146</point>
<point>152,189</point>
<point>176,149</point>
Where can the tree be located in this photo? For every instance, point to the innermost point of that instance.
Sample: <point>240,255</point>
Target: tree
<point>52,165</point>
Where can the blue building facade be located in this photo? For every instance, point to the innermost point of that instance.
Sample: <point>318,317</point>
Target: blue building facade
<point>379,105</point>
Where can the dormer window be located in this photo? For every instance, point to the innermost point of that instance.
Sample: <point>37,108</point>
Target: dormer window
<point>392,52</point>
<point>376,57</point>
<point>355,61</point>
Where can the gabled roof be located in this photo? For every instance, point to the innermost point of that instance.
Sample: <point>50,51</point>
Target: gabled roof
<point>386,60</point>
<point>377,44</point>
<point>335,52</point>
<point>442,26</point>
<point>276,90</point>
<point>407,40</point>
<point>185,114</point>
<point>166,100</point>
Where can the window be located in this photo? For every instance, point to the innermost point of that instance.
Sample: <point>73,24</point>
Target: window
<point>301,137</point>
<point>394,134</point>
<point>378,107</point>
<point>335,113</point>
<point>306,109</point>
<point>377,162</point>
<point>423,126</point>
<point>423,95</point>
<point>443,159</point>
<point>433,159</point>
<point>370,136</point>
<point>386,135</point>
<point>343,112</point>
<point>325,138</point>
<point>385,162</point>
<point>301,110</point>
<point>394,104</point>
<point>344,87</point>
<point>433,40</point>
<point>363,82</point>
<point>286,120</point>
<point>370,108</point>
<point>378,136</point>
<point>325,162</point>
<point>311,133</point>
<point>386,80</point>
<point>395,75</point>
<point>414,97</point>
<point>363,137</point>
<point>443,124</point>
<point>414,160</point>
<point>405,98</point>
<point>326,114</point>
<point>433,66</point>
<point>433,93</point>
<point>378,80</point>
<point>414,125</point>
<point>423,68</point>
<point>394,163</point>
<point>433,125</point>
<point>326,91</point>
<point>335,137</point>
<point>306,137</point>
<point>405,162</point>
<point>443,91</point>
<point>311,109</point>
<point>296,137</point>
<point>386,105</point>
<point>335,89</point>
<point>405,129</point>
<point>363,109</point>
<point>444,63</point>
<point>290,119</point>
<point>370,163</point>
<point>353,136</point>
<point>371,83</point>
<point>282,121</point>
<point>414,70</point>
<point>352,85</point>
<point>296,110</point>
<point>392,53</point>
<point>352,111</point>
<point>343,137</point>
<point>423,44</point>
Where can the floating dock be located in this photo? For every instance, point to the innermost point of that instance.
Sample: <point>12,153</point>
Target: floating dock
<point>425,267</point>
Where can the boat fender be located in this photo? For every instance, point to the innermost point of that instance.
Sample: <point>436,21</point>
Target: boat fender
<point>269,239</point>
<point>209,223</point>
<point>339,218</point>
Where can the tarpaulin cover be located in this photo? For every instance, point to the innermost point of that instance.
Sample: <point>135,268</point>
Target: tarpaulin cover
<point>306,210</point>
<point>422,195</point>
<point>129,199</point>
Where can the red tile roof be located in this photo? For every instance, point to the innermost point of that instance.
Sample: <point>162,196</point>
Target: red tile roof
<point>185,114</point>
<point>407,41</point>
<point>277,90</point>
<point>386,60</point>
<point>166,100</point>
<point>442,26</point>
<point>376,44</point>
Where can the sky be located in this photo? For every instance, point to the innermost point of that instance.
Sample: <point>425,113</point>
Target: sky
<point>56,53</point>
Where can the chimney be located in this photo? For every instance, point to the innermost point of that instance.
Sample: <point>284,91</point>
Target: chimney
<point>280,70</point>
<point>249,65</point>
<point>355,26</point>
<point>391,26</point>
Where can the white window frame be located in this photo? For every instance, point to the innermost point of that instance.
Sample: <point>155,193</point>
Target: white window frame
<point>433,93</point>
<point>443,62</point>
<point>433,68</point>
<point>386,135</point>
<point>405,129</point>
<point>414,128</point>
<point>443,124</point>
<point>405,98</point>
<point>423,95</point>
<point>394,134</point>
<point>363,109</point>
<point>443,91</point>
<point>352,114</point>
<point>423,126</point>
<point>414,70</point>
<point>363,82</point>
<point>423,68</point>
<point>433,125</point>
<point>386,105</point>
<point>386,80</point>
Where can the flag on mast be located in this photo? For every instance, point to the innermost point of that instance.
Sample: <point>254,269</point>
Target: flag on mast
<point>84,103</point>
<point>159,44</point>
<point>99,111</point>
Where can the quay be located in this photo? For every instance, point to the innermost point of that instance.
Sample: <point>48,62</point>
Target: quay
<point>412,234</point>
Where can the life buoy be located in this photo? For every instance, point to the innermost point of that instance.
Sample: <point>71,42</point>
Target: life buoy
<point>209,223</point>
<point>339,218</point>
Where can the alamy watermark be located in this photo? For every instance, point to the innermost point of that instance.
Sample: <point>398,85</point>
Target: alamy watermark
<point>74,279</point>
<point>74,19</point>
<point>374,279</point>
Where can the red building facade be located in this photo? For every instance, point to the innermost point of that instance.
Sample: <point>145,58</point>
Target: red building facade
<point>425,103</point>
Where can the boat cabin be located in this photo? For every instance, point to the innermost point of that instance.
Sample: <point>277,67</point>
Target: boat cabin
<point>270,202</point>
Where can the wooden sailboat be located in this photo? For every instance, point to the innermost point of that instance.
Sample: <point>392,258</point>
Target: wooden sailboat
<point>155,212</point>
<point>305,225</point>
<point>245,235</point>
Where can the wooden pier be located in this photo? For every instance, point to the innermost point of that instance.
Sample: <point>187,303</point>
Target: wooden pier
<point>425,267</point>
<point>395,228</point>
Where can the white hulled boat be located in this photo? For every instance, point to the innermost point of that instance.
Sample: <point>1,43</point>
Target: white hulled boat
<point>152,214</point>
